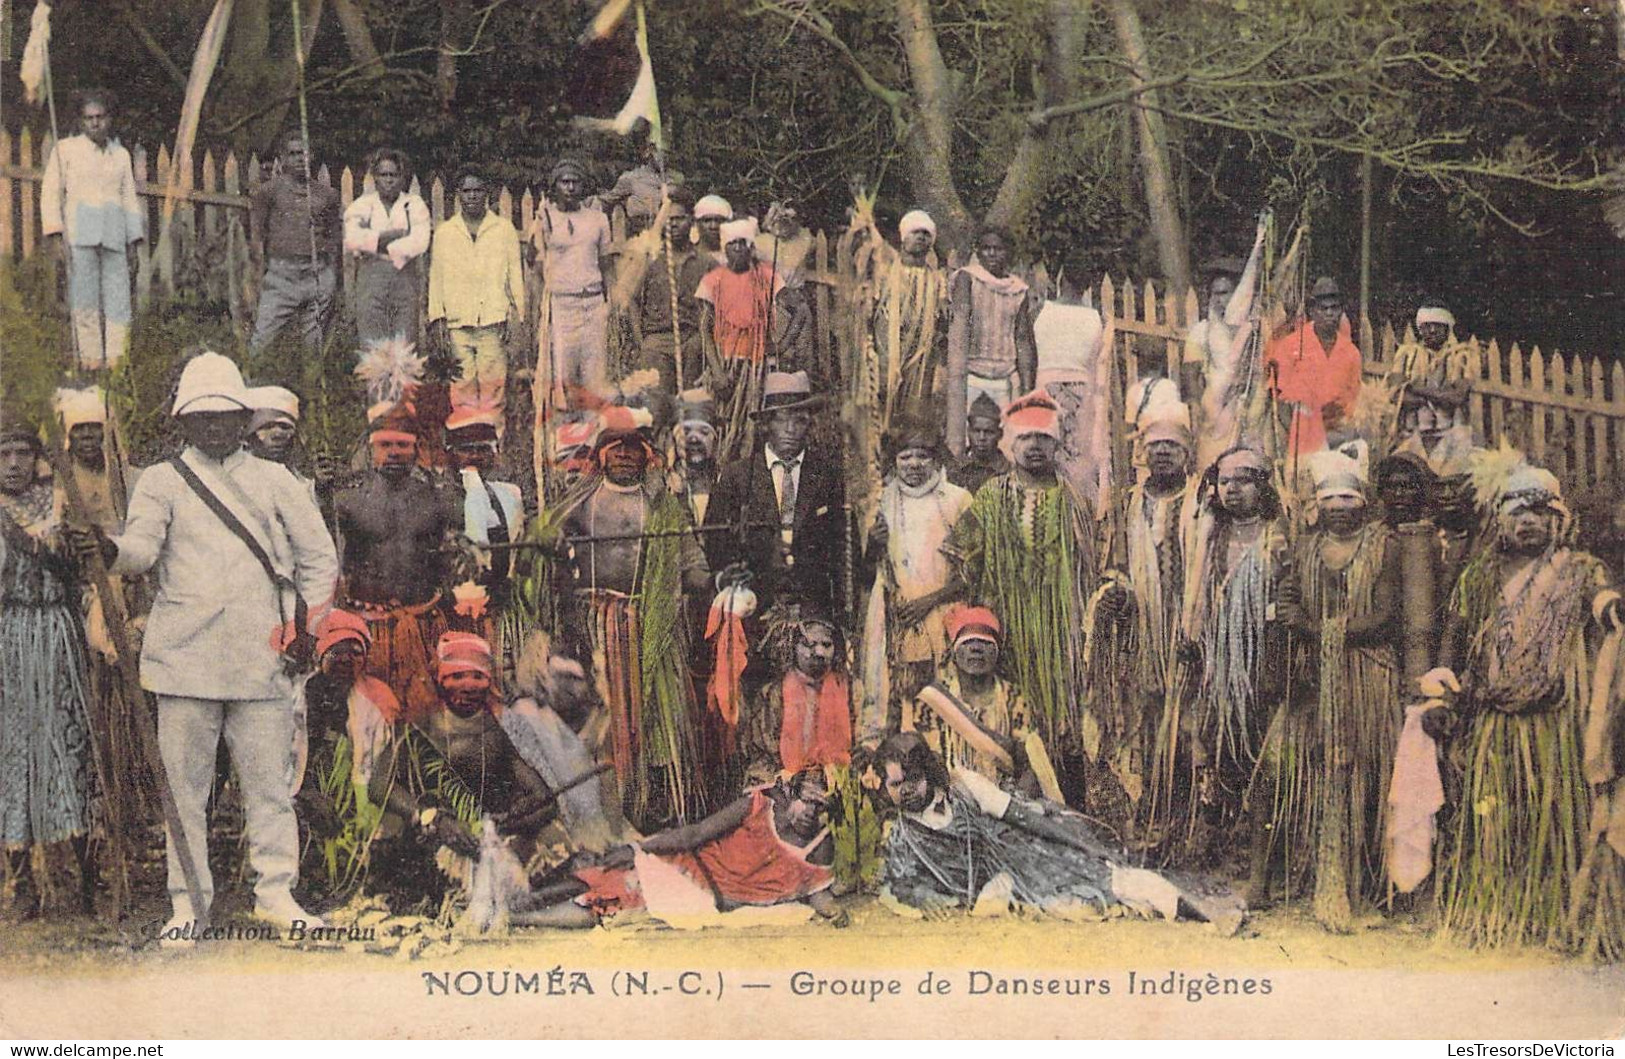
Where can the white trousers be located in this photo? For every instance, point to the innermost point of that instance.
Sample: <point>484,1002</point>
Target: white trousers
<point>259,736</point>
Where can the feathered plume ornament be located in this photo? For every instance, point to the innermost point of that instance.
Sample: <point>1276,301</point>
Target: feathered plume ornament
<point>1490,469</point>
<point>391,371</point>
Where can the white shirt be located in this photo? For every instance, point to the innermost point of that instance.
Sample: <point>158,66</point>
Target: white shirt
<point>367,216</point>
<point>91,191</point>
<point>209,635</point>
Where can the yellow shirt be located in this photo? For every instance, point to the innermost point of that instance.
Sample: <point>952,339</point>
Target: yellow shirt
<point>476,280</point>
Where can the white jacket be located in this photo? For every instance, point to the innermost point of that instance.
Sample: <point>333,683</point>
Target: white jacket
<point>215,614</point>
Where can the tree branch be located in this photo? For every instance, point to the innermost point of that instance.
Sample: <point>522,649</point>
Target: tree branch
<point>894,99</point>
<point>150,42</point>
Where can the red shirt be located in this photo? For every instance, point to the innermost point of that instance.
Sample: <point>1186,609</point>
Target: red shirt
<point>1322,385</point>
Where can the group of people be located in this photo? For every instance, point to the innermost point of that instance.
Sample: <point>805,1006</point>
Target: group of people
<point>948,616</point>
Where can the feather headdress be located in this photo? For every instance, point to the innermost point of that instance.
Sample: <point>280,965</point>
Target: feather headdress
<point>1490,470</point>
<point>391,370</point>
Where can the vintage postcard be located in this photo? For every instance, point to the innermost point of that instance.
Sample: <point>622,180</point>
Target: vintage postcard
<point>800,518</point>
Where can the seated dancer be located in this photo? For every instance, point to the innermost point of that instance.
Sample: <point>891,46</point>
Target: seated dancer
<point>441,773</point>
<point>769,847</point>
<point>974,719</point>
<point>1535,854</point>
<point>345,721</point>
<point>632,554</point>
<point>959,842</point>
<point>563,732</point>
<point>804,719</point>
<point>1318,795</point>
<point>981,460</point>
<point>1433,424</point>
<point>44,679</point>
<point>395,523</point>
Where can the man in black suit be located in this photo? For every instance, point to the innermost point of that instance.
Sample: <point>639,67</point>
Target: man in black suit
<point>788,500</point>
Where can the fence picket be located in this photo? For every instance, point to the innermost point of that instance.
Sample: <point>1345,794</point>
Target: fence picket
<point>1536,449</point>
<point>7,231</point>
<point>1557,382</point>
<point>1599,426</point>
<point>30,211</point>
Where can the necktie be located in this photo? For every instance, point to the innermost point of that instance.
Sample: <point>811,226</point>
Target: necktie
<point>787,493</point>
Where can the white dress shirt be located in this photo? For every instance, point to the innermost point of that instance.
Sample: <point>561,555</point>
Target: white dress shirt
<point>367,216</point>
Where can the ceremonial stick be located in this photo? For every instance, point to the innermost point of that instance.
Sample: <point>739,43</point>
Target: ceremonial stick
<point>117,627</point>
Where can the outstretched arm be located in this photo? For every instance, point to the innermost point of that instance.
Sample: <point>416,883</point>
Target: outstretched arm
<point>692,836</point>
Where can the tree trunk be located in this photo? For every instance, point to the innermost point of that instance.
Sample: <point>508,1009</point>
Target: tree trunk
<point>1028,173</point>
<point>1161,199</point>
<point>358,36</point>
<point>930,137</point>
<point>261,65</point>
<point>452,17</point>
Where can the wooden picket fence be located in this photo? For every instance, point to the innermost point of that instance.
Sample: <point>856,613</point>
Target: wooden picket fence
<point>1566,412</point>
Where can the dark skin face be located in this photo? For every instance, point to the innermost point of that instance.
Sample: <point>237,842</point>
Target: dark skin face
<point>918,242</point>
<point>1218,296</point>
<point>977,657</point>
<point>1433,336</point>
<point>1166,460</point>
<point>1527,532</point>
<point>625,462</point>
<point>1342,516</point>
<point>994,253</point>
<point>982,433</point>
<point>272,441</point>
<point>570,692</point>
<point>815,651</point>
<point>1403,495</point>
<point>710,231</point>
<point>388,179</point>
<point>480,455</point>
<point>16,466</point>
<point>215,434</point>
<point>96,123</point>
<point>740,255</point>
<point>1035,454</point>
<point>472,196</point>
<point>345,661</point>
<point>806,810</point>
<point>699,443</point>
<point>394,457</point>
<point>678,224</point>
<point>567,190</point>
<point>87,446</point>
<point>465,692</point>
<point>787,432</point>
<point>1326,313</point>
<point>295,162</point>
<point>1239,491</point>
<point>912,794</point>
<point>915,465</point>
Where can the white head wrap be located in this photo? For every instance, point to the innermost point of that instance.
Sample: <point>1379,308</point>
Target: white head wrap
<point>914,221</point>
<point>745,228</point>
<point>1434,314</point>
<point>713,206</point>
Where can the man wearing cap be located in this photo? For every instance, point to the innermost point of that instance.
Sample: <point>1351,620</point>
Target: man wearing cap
<point>396,524</point>
<point>693,471</point>
<point>45,749</point>
<point>387,232</point>
<point>710,214</point>
<point>787,502</point>
<point>296,230</point>
<point>572,241</point>
<point>633,555</point>
<point>804,718</point>
<point>656,332</point>
<point>1026,548</point>
<point>1323,781</point>
<point>1539,864</point>
<point>273,426</point>
<point>484,776</point>
<point>982,459</point>
<point>1314,371</point>
<point>1143,601</point>
<point>211,650</point>
<point>973,718</point>
<point>742,317</point>
<point>476,291</point>
<point>91,215</point>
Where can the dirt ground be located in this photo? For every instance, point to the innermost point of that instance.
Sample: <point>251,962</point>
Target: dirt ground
<point>1280,976</point>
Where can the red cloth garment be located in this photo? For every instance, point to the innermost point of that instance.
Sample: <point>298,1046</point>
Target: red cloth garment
<point>724,690</point>
<point>817,727</point>
<point>752,865</point>
<point>1315,381</point>
<point>740,300</point>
